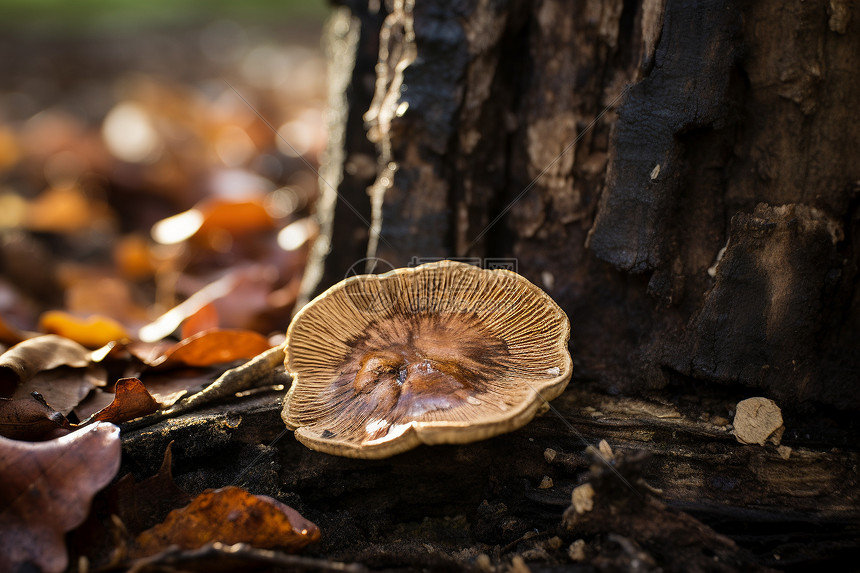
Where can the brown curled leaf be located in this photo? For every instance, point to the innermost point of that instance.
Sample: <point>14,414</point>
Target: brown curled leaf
<point>213,347</point>
<point>29,419</point>
<point>63,388</point>
<point>26,359</point>
<point>229,515</point>
<point>46,489</point>
<point>131,400</point>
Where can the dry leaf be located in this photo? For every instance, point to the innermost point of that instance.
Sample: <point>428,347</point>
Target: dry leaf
<point>214,222</point>
<point>229,515</point>
<point>26,359</point>
<point>131,401</point>
<point>204,319</point>
<point>63,388</point>
<point>94,331</point>
<point>29,419</point>
<point>46,489</point>
<point>214,347</point>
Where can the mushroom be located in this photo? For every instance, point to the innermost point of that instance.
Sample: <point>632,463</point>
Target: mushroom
<point>442,353</point>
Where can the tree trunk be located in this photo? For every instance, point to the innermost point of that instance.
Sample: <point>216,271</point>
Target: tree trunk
<point>681,178</point>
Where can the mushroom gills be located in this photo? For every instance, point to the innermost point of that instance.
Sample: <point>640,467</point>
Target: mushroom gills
<point>436,365</point>
<point>455,354</point>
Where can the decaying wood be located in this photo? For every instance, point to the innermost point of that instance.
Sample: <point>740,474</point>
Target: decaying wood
<point>486,497</point>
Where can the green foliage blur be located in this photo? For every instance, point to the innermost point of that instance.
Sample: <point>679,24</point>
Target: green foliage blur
<point>96,16</point>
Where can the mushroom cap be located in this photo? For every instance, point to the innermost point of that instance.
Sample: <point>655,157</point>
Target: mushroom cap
<point>442,353</point>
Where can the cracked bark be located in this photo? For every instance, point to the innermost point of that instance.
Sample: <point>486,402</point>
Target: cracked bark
<point>613,149</point>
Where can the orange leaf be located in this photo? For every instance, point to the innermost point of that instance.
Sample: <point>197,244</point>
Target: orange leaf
<point>131,401</point>
<point>46,489</point>
<point>204,319</point>
<point>93,332</point>
<point>229,515</point>
<point>214,347</point>
<point>235,217</point>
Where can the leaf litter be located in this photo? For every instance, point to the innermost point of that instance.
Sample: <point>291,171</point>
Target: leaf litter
<point>103,320</point>
<point>46,491</point>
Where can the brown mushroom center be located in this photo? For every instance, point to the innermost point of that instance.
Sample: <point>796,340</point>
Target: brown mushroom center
<point>419,384</point>
<point>397,373</point>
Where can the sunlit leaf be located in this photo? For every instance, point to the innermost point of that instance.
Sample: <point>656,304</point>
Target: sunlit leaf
<point>169,321</point>
<point>214,347</point>
<point>236,218</point>
<point>297,234</point>
<point>229,515</point>
<point>131,400</point>
<point>93,332</point>
<point>204,319</point>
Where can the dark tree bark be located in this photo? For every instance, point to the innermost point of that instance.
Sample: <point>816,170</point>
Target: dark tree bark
<point>682,178</point>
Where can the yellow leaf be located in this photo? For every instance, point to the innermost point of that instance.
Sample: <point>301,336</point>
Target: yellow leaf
<point>92,332</point>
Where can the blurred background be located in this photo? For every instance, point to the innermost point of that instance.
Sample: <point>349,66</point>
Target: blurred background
<point>140,164</point>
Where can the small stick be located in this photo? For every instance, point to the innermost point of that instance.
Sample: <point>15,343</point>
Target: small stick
<point>243,377</point>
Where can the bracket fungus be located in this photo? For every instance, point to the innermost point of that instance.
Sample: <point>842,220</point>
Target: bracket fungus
<point>442,353</point>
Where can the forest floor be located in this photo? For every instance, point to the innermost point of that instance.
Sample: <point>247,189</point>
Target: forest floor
<point>153,233</point>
